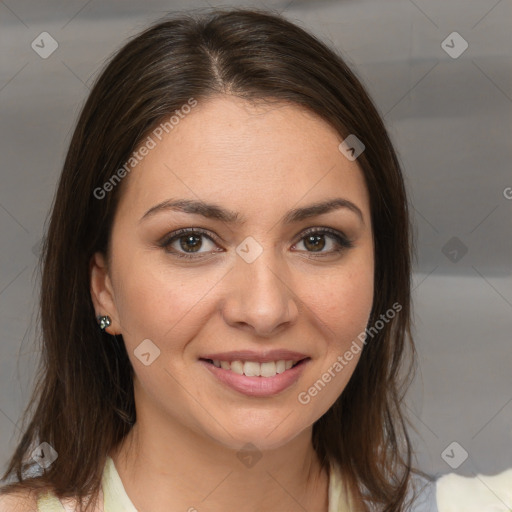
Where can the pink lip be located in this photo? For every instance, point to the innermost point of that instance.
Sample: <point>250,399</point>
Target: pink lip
<point>257,386</point>
<point>260,357</point>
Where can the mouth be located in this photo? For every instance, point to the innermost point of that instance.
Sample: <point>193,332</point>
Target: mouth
<point>256,380</point>
<point>255,369</point>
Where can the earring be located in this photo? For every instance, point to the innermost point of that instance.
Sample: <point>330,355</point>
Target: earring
<point>104,322</point>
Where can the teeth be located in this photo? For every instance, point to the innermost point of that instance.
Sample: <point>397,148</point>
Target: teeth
<point>237,367</point>
<point>255,369</point>
<point>268,369</point>
<point>252,369</point>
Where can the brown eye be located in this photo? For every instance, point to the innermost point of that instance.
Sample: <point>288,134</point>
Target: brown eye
<point>192,242</point>
<point>315,241</point>
<point>186,243</point>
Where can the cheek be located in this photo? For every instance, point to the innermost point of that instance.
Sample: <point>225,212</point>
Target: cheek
<point>352,305</point>
<point>341,315</point>
<point>157,304</point>
<point>344,304</point>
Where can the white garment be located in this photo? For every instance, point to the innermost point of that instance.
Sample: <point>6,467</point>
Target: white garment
<point>449,493</point>
<point>115,498</point>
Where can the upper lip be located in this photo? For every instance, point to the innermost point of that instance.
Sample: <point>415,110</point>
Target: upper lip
<point>260,357</point>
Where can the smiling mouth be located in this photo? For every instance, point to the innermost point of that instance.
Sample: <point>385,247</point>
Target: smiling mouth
<point>255,369</point>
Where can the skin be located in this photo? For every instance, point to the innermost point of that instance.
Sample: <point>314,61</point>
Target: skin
<point>260,161</point>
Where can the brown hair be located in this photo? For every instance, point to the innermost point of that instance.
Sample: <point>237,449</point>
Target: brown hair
<point>84,393</point>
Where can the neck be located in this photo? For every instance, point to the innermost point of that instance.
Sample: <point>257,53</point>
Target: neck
<point>170,467</point>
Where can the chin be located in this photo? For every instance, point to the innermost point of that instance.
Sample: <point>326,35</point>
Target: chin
<point>267,436</point>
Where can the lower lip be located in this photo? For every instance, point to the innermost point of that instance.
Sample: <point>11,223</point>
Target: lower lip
<point>258,386</point>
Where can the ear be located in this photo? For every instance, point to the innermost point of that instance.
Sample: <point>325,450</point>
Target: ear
<point>102,292</point>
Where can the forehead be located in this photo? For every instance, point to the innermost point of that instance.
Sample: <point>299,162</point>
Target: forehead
<point>247,155</point>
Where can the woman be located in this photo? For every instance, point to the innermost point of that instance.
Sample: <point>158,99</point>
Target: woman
<point>232,213</point>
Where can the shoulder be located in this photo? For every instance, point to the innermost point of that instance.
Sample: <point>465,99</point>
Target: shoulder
<point>45,501</point>
<point>18,502</point>
<point>474,494</point>
<point>420,496</point>
<point>421,493</point>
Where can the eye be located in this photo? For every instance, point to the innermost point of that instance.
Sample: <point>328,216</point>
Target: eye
<point>314,241</point>
<point>188,240</point>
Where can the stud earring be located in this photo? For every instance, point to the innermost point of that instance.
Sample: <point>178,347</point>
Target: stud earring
<point>104,322</point>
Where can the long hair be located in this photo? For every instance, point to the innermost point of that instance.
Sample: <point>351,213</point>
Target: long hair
<point>83,402</point>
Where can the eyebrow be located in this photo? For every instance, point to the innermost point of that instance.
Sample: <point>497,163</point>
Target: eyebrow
<point>213,211</point>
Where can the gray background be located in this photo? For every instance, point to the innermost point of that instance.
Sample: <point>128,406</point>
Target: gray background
<point>450,119</point>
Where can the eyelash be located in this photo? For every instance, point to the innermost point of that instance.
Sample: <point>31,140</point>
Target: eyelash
<point>341,240</point>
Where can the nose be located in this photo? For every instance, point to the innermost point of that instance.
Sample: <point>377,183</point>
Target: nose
<point>260,297</point>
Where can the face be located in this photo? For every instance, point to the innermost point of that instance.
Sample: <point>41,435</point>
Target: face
<point>257,275</point>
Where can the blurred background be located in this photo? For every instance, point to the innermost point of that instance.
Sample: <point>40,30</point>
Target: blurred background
<point>440,73</point>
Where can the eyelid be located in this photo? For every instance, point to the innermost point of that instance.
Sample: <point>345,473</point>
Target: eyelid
<point>343,242</point>
<point>324,230</point>
<point>165,240</point>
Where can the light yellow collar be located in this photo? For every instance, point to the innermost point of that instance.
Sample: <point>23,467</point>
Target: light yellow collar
<point>339,499</point>
<point>115,498</point>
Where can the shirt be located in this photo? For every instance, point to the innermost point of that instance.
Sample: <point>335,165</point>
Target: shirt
<point>115,498</point>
